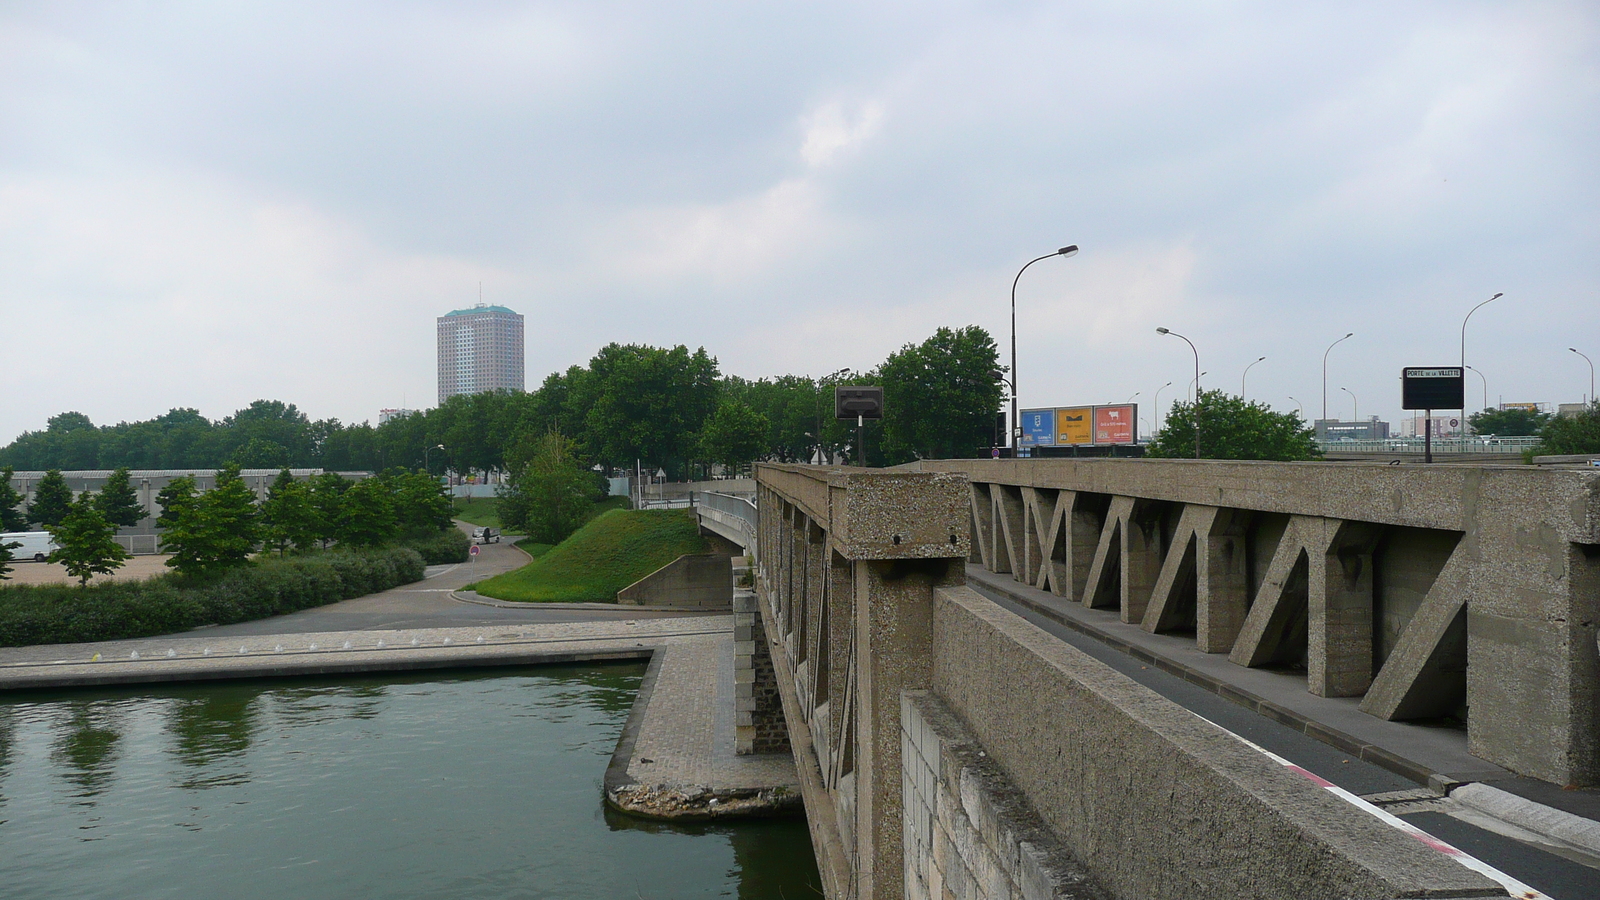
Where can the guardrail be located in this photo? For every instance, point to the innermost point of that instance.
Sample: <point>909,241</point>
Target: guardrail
<point>730,515</point>
<point>1471,444</point>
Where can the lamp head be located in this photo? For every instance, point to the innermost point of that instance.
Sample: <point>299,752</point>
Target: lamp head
<point>1162,331</point>
<point>1498,296</point>
<point>1069,250</point>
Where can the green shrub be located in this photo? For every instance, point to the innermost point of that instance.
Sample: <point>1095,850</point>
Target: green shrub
<point>440,548</point>
<point>115,610</point>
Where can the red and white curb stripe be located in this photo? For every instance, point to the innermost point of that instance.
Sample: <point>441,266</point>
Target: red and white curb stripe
<point>1513,887</point>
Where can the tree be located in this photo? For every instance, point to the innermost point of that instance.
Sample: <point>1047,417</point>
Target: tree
<point>287,517</point>
<point>118,501</point>
<point>1508,422</point>
<point>327,504</point>
<point>366,513</point>
<point>1232,428</point>
<point>11,516</point>
<point>215,530</point>
<point>5,557</point>
<point>1577,434</point>
<point>52,500</point>
<point>85,541</point>
<point>939,398</point>
<point>420,502</point>
<point>734,435</point>
<point>550,491</point>
<point>646,403</point>
<point>174,500</point>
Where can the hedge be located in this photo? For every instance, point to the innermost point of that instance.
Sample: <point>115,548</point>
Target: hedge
<point>441,547</point>
<point>114,610</point>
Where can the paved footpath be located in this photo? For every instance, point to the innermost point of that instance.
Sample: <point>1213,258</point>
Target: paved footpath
<point>1545,837</point>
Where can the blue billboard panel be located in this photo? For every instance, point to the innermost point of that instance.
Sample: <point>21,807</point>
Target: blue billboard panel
<point>1038,428</point>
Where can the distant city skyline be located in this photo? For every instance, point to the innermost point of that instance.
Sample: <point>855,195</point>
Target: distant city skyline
<point>480,349</point>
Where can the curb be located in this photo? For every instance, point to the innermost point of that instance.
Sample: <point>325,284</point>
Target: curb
<point>463,597</point>
<point>1563,827</point>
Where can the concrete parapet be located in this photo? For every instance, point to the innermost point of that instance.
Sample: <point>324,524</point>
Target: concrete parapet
<point>1152,800</point>
<point>692,581</point>
<point>1468,591</point>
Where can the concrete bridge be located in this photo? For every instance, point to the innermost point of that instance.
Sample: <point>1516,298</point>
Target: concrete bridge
<point>948,747</point>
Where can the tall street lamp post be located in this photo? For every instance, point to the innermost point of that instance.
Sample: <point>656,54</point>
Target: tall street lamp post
<point>1464,347</point>
<point>1485,380</point>
<point>1247,375</point>
<point>1591,370</point>
<point>425,452</point>
<point>1325,372</point>
<point>1301,406</point>
<point>1157,414</point>
<point>1355,405</point>
<point>1015,424</point>
<point>1196,409</point>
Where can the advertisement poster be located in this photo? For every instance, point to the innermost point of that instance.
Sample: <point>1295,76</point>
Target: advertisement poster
<point>1073,426</point>
<point>1038,427</point>
<point>1114,424</point>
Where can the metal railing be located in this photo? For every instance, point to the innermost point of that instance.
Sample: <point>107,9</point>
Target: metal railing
<point>1468,444</point>
<point>730,511</point>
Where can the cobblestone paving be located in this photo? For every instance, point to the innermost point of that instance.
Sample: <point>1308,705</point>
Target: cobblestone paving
<point>687,736</point>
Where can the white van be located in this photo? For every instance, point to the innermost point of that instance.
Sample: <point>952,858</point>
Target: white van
<point>36,545</point>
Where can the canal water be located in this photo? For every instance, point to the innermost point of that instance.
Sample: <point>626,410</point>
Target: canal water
<point>401,786</point>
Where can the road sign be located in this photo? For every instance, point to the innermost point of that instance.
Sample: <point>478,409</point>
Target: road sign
<point>858,402</point>
<point>1436,387</point>
<point>473,549</point>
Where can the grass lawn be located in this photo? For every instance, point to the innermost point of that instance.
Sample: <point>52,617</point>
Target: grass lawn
<point>616,548</point>
<point>478,511</point>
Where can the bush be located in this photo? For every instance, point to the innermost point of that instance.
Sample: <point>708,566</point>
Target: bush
<point>440,547</point>
<point>115,610</point>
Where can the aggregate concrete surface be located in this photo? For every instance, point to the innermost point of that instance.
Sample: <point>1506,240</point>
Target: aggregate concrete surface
<point>1395,774</point>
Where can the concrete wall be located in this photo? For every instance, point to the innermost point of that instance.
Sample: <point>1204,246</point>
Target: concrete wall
<point>1422,590</point>
<point>692,581</point>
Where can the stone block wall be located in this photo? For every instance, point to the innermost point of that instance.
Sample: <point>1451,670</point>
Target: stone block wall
<point>969,834</point>
<point>758,711</point>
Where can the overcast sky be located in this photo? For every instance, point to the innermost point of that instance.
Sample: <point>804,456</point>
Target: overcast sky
<point>202,204</point>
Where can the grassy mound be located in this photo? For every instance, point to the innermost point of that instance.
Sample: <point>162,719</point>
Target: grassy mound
<point>614,550</point>
<point>478,511</point>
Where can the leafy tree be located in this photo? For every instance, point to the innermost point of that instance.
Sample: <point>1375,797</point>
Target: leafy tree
<point>215,530</point>
<point>1577,434</point>
<point>52,500</point>
<point>1232,428</point>
<point>11,516</point>
<point>367,514</point>
<point>327,505</point>
<point>1508,422</point>
<point>85,541</point>
<point>550,491</point>
<point>420,502</point>
<point>734,435</point>
<point>287,516</point>
<point>175,499</point>
<point>118,501</point>
<point>5,557</point>
<point>646,403</point>
<point>939,398</point>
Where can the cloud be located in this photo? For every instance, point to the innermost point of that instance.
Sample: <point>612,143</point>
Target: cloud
<point>830,129</point>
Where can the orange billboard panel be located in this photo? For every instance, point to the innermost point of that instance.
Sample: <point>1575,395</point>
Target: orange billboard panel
<point>1074,425</point>
<point>1114,424</point>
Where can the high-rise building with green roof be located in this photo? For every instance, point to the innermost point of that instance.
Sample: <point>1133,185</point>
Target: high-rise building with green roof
<point>480,349</point>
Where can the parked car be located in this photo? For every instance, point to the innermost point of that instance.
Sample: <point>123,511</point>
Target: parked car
<point>486,536</point>
<point>36,545</point>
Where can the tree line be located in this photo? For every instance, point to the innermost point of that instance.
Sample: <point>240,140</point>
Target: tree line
<point>664,408</point>
<point>212,531</point>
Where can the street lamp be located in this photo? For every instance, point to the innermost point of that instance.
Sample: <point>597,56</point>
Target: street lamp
<point>1355,405</point>
<point>1325,372</point>
<point>425,452</point>
<point>1247,375</point>
<point>1014,425</point>
<point>1157,404</point>
<point>1301,406</point>
<point>1485,387</point>
<point>1130,398</point>
<point>1591,371</point>
<point>1464,347</point>
<point>1196,410</point>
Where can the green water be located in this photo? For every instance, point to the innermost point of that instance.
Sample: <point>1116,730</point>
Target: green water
<point>438,786</point>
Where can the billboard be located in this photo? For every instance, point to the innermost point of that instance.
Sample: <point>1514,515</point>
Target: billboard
<point>1075,425</point>
<point>1115,424</point>
<point>1038,428</point>
<point>1440,387</point>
